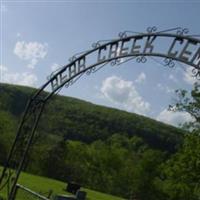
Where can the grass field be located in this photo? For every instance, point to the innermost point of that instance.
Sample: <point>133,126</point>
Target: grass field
<point>43,185</point>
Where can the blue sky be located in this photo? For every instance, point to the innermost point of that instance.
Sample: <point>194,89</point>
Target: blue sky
<point>38,36</point>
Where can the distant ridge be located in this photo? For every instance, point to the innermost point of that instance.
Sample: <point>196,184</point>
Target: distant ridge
<point>75,119</point>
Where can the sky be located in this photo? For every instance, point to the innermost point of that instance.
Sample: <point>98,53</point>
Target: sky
<point>37,37</point>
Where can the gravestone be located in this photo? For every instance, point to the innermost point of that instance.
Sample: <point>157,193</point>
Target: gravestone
<point>73,187</point>
<point>81,195</point>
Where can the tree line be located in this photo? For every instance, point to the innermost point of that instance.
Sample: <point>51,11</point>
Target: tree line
<point>125,163</point>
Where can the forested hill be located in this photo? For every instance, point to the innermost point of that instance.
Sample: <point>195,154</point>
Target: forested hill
<point>105,149</point>
<point>75,119</point>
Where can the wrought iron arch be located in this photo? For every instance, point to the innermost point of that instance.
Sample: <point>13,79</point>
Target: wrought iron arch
<point>102,53</point>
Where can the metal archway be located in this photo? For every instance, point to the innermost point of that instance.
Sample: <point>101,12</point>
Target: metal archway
<point>180,47</point>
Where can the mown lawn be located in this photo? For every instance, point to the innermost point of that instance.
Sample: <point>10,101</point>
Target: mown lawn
<point>43,185</point>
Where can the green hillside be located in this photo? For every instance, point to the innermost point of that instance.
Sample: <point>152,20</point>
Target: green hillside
<point>75,119</point>
<point>103,149</point>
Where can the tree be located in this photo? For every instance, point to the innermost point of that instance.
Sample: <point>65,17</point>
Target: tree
<point>144,179</point>
<point>182,171</point>
<point>190,103</point>
<point>53,165</point>
<point>7,125</point>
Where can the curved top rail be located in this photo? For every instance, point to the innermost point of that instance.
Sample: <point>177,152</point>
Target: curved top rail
<point>182,48</point>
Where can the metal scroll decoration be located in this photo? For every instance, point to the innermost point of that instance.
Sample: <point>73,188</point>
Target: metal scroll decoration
<point>172,45</point>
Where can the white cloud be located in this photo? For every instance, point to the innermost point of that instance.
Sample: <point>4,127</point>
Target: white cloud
<point>188,76</point>
<point>174,118</point>
<point>30,51</point>
<point>123,94</point>
<point>171,77</point>
<point>3,68</point>
<point>141,78</point>
<point>55,67</point>
<point>24,78</point>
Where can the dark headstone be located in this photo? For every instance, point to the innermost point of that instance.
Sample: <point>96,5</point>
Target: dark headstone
<point>73,187</point>
<point>81,195</point>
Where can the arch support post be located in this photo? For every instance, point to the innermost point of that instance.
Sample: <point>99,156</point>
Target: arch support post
<point>21,145</point>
